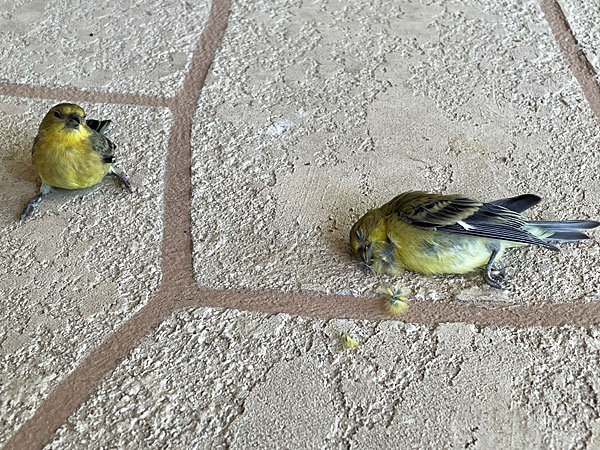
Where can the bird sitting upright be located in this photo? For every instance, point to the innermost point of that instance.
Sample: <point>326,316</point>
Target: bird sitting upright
<point>71,153</point>
<point>431,234</point>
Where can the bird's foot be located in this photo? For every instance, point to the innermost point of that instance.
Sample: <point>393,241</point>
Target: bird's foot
<point>123,180</point>
<point>30,208</point>
<point>497,279</point>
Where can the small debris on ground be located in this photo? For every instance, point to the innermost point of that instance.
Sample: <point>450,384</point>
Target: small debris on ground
<point>396,300</point>
<point>347,342</point>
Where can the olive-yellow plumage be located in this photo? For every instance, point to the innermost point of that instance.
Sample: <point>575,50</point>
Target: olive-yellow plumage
<point>71,153</point>
<point>431,234</point>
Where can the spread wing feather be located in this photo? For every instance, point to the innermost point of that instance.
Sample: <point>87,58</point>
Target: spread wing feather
<point>461,215</point>
<point>432,211</point>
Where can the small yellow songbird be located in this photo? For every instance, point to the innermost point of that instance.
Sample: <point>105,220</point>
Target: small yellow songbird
<point>70,152</point>
<point>430,233</point>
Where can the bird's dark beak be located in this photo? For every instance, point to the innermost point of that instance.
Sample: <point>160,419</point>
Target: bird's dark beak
<point>73,121</point>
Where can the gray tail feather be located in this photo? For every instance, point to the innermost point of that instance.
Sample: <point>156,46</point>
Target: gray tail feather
<point>519,203</point>
<point>566,230</point>
<point>566,236</point>
<point>566,225</point>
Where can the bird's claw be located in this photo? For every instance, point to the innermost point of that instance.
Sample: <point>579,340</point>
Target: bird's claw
<point>124,182</point>
<point>497,279</point>
<point>27,212</point>
<point>30,208</point>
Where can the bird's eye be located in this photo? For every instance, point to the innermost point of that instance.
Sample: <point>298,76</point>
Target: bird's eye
<point>57,114</point>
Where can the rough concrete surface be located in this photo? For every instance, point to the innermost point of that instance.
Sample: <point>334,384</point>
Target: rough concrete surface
<point>341,106</point>
<point>123,46</point>
<point>83,263</point>
<point>311,113</point>
<point>583,17</point>
<point>209,378</point>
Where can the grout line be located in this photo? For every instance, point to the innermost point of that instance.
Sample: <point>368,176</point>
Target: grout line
<point>580,66</point>
<point>79,95</point>
<point>321,306</point>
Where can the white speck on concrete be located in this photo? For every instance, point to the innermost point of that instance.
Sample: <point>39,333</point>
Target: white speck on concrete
<point>279,127</point>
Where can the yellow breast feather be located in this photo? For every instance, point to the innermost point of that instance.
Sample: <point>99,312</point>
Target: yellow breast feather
<point>66,159</point>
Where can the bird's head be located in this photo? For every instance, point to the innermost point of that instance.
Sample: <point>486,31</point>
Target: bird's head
<point>67,116</point>
<point>364,233</point>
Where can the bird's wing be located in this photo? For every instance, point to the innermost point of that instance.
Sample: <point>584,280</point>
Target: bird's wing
<point>432,211</point>
<point>101,144</point>
<point>519,203</point>
<point>101,126</point>
<point>461,215</point>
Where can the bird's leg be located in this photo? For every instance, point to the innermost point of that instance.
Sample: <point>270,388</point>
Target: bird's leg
<point>33,203</point>
<point>497,280</point>
<point>122,178</point>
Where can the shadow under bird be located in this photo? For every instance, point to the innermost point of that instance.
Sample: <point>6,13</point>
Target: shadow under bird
<point>71,152</point>
<point>453,234</point>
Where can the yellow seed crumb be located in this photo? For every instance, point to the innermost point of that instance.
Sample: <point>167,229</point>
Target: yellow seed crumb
<point>347,342</point>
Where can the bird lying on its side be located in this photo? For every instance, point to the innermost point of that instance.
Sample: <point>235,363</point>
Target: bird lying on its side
<point>431,233</point>
<point>71,153</point>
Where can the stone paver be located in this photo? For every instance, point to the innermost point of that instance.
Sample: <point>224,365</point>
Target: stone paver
<point>131,46</point>
<point>209,378</point>
<point>342,106</point>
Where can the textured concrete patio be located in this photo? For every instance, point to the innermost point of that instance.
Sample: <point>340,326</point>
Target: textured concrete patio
<point>204,310</point>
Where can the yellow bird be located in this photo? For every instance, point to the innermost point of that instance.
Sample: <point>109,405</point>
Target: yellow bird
<point>70,152</point>
<point>430,233</point>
